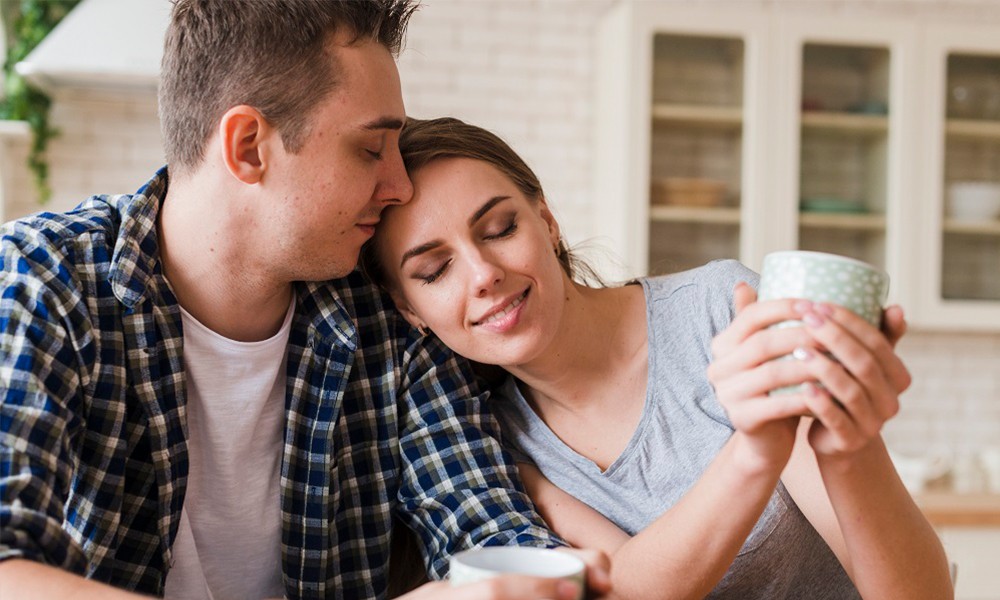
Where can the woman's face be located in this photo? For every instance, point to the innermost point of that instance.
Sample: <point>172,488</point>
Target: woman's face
<point>473,259</point>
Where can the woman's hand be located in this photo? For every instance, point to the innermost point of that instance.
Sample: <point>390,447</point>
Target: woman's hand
<point>862,381</point>
<point>744,370</point>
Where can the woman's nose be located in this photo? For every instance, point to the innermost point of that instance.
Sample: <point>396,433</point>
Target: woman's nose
<point>486,275</point>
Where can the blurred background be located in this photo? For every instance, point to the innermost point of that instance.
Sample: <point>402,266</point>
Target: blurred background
<point>670,133</point>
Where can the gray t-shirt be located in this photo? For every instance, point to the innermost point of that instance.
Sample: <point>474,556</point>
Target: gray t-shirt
<point>681,430</point>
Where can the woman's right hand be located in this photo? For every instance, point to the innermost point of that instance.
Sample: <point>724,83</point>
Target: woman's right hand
<point>744,370</point>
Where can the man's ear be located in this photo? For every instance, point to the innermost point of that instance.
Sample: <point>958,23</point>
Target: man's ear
<point>243,131</point>
<point>550,220</point>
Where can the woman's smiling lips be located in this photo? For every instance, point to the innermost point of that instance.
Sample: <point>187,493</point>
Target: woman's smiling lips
<point>505,316</point>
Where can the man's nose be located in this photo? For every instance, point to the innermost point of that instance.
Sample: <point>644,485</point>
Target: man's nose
<point>396,187</point>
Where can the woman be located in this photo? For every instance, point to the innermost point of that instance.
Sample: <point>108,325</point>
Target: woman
<point>640,415</point>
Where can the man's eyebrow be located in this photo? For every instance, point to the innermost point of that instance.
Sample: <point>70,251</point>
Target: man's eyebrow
<point>486,208</point>
<point>383,123</point>
<point>418,250</point>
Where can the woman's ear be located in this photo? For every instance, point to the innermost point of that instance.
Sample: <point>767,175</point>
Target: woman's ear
<point>404,309</point>
<point>244,132</point>
<point>550,221</point>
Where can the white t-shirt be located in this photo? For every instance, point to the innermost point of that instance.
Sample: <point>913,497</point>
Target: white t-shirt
<point>229,542</point>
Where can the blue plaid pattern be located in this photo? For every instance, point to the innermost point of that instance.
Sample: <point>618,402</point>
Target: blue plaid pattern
<point>381,422</point>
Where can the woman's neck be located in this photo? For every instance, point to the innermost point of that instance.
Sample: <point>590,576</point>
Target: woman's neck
<point>600,344</point>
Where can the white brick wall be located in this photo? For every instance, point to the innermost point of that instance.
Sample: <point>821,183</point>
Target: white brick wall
<point>523,68</point>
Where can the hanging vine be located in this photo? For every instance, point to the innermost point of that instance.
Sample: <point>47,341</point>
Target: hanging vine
<point>26,23</point>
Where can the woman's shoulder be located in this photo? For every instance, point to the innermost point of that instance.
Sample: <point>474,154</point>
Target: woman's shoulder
<point>715,279</point>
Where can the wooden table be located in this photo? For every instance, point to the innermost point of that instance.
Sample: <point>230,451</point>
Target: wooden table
<point>960,510</point>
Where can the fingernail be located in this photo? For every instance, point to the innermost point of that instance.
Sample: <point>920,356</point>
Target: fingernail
<point>813,319</point>
<point>802,306</point>
<point>802,354</point>
<point>825,309</point>
<point>567,590</point>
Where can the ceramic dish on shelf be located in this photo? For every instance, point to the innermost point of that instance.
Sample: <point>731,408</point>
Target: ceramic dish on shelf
<point>831,204</point>
<point>687,191</point>
<point>974,200</point>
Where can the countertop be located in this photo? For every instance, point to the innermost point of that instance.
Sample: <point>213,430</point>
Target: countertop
<point>944,508</point>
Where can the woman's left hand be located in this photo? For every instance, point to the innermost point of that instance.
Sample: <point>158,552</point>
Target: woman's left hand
<point>860,384</point>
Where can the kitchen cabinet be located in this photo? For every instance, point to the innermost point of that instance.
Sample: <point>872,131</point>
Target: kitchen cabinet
<point>740,132</point>
<point>960,252</point>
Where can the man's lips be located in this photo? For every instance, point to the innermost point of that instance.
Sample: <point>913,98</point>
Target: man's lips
<point>499,312</point>
<point>368,227</point>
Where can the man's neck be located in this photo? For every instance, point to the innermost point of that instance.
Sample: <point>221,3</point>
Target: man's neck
<point>214,265</point>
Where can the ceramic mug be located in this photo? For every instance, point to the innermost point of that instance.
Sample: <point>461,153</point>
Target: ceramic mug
<point>821,277</point>
<point>485,563</point>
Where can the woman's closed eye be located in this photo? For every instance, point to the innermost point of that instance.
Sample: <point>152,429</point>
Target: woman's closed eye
<point>433,276</point>
<point>508,230</point>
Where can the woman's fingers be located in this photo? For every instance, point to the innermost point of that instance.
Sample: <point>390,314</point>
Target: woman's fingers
<point>751,414</point>
<point>759,380</point>
<point>860,406</point>
<point>743,296</point>
<point>864,353</point>
<point>758,349</point>
<point>894,324</point>
<point>751,318</point>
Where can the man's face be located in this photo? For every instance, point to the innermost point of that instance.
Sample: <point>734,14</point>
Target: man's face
<point>329,195</point>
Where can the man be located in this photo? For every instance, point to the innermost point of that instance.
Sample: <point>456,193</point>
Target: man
<point>192,403</point>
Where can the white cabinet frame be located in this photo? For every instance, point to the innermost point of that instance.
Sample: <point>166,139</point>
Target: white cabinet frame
<point>932,310</point>
<point>623,120</point>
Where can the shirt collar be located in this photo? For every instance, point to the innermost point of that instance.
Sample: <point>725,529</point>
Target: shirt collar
<point>136,257</point>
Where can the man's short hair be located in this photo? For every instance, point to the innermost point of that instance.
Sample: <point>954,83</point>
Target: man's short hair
<point>268,54</point>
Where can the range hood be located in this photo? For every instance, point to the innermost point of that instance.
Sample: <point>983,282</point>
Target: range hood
<point>102,44</point>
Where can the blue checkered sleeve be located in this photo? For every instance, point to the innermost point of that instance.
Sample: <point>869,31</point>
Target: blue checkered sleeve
<point>39,386</point>
<point>459,488</point>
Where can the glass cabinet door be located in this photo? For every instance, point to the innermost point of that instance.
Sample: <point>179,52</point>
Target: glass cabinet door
<point>843,150</point>
<point>696,139</point>
<point>959,179</point>
<point>970,234</point>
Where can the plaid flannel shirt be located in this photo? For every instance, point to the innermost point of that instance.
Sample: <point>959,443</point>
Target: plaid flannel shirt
<point>380,422</point>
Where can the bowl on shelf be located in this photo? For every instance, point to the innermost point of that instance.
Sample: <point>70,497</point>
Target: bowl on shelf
<point>974,200</point>
<point>687,191</point>
<point>831,204</point>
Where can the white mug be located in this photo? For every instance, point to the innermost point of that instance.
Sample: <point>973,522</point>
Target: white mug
<point>485,563</point>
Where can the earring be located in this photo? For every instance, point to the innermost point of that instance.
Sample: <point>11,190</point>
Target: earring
<point>422,329</point>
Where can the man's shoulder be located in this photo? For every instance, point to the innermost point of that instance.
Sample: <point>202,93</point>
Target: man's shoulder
<point>368,306</point>
<point>98,216</point>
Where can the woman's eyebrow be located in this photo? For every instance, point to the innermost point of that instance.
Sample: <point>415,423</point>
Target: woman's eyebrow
<point>431,245</point>
<point>485,208</point>
<point>418,250</point>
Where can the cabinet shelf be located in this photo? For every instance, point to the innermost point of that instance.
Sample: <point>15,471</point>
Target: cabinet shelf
<point>723,117</point>
<point>864,222</point>
<point>694,214</point>
<point>973,128</point>
<point>959,226</point>
<point>845,122</point>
